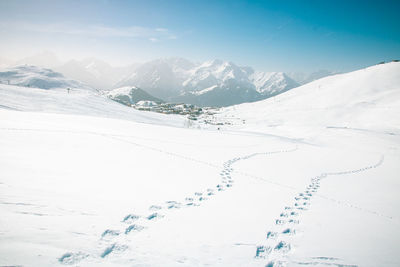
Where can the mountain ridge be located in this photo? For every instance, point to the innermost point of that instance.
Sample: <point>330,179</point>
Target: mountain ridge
<point>211,83</point>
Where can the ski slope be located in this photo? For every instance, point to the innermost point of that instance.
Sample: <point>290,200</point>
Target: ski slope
<point>368,98</point>
<point>307,180</point>
<point>78,102</point>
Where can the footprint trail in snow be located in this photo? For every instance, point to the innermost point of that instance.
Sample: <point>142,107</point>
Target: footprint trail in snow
<point>277,244</point>
<point>112,240</point>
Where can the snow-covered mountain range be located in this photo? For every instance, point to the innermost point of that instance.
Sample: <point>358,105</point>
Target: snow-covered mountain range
<point>212,83</point>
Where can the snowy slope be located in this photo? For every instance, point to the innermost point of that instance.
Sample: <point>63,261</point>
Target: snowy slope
<point>37,77</point>
<point>362,99</point>
<point>78,102</point>
<point>284,189</point>
<point>42,90</point>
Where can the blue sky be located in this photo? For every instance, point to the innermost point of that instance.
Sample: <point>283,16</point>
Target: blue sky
<point>267,35</point>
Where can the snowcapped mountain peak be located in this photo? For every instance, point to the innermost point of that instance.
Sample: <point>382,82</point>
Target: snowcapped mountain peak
<point>214,72</point>
<point>210,63</point>
<point>272,82</point>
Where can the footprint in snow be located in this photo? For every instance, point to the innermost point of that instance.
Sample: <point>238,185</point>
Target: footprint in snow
<point>262,251</point>
<point>130,218</point>
<point>272,235</point>
<point>154,216</point>
<point>110,232</point>
<point>282,247</point>
<point>276,264</point>
<point>72,257</point>
<point>155,207</point>
<point>112,249</point>
<point>173,205</point>
<point>289,231</point>
<point>133,228</point>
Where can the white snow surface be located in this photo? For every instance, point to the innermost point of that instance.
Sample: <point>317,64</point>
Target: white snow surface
<point>77,101</point>
<point>310,178</point>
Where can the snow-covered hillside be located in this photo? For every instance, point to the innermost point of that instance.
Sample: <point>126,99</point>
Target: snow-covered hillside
<point>361,99</point>
<point>37,77</point>
<point>130,95</point>
<point>42,90</point>
<point>212,83</point>
<point>306,178</point>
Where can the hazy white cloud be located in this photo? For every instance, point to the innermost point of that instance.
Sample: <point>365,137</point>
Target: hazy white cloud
<point>152,34</point>
<point>162,30</point>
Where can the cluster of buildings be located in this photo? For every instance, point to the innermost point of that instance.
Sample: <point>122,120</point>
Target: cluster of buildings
<point>190,110</point>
